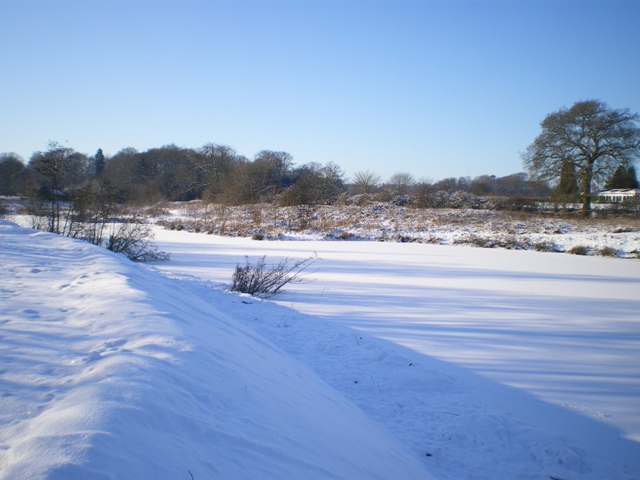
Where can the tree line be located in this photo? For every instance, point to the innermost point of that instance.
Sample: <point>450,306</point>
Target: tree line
<point>582,148</point>
<point>216,173</point>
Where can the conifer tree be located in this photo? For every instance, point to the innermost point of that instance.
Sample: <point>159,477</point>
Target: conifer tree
<point>624,177</point>
<point>99,162</point>
<point>567,189</point>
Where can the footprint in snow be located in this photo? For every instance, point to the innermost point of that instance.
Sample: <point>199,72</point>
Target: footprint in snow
<point>92,357</point>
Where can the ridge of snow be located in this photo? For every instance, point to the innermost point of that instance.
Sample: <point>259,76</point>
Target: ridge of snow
<point>111,371</point>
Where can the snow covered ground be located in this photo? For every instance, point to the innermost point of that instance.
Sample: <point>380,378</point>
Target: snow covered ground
<point>487,363</point>
<point>109,371</point>
<point>394,361</point>
<point>605,234</point>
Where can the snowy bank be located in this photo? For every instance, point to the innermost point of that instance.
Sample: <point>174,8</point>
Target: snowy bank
<point>109,371</point>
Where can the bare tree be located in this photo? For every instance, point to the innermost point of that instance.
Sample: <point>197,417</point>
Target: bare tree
<point>590,136</point>
<point>401,183</point>
<point>52,166</point>
<point>450,184</point>
<point>119,171</point>
<point>483,185</point>
<point>314,184</point>
<point>278,164</point>
<point>212,168</point>
<point>258,181</point>
<point>422,194</point>
<point>365,182</point>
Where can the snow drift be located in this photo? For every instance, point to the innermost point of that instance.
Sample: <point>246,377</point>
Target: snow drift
<point>111,371</point>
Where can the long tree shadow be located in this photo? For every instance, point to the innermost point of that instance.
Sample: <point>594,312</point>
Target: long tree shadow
<point>463,423</point>
<point>555,363</point>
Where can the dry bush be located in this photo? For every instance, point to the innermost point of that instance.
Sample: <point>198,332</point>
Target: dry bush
<point>264,281</point>
<point>544,247</point>
<point>134,239</point>
<point>608,252</point>
<point>578,250</point>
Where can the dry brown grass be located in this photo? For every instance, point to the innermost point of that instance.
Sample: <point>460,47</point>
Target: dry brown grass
<point>389,222</point>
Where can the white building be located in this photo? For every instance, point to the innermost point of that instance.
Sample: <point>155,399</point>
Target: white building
<point>618,195</point>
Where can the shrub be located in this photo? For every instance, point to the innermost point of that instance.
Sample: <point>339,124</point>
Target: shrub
<point>258,236</point>
<point>608,252</point>
<point>134,238</point>
<point>578,250</point>
<point>158,210</point>
<point>544,247</point>
<point>432,239</point>
<point>264,281</point>
<point>404,239</point>
<point>512,243</point>
<point>482,242</point>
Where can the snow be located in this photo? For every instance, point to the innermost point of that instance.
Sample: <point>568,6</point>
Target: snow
<point>110,371</point>
<point>394,361</point>
<point>618,235</point>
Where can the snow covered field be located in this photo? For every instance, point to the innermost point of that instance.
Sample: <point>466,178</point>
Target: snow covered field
<point>605,234</point>
<point>394,361</point>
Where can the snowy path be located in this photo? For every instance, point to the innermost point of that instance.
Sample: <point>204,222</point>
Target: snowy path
<point>485,363</point>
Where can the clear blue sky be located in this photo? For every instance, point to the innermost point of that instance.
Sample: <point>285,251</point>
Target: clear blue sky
<point>434,88</point>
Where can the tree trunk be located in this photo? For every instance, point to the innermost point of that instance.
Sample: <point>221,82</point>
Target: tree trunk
<point>586,190</point>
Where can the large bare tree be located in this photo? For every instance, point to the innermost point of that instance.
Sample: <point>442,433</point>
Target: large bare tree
<point>365,182</point>
<point>592,137</point>
<point>53,166</point>
<point>401,183</point>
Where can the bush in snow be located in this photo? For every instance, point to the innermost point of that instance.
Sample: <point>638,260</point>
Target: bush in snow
<point>134,238</point>
<point>544,247</point>
<point>608,252</point>
<point>261,280</point>
<point>578,250</point>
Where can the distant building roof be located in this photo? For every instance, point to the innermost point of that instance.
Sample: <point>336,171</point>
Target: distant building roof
<point>621,191</point>
<point>619,194</point>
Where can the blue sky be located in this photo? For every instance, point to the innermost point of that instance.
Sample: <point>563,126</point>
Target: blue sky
<point>435,88</point>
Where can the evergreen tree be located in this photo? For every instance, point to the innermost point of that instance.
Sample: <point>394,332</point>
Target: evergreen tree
<point>624,177</point>
<point>567,189</point>
<point>633,178</point>
<point>99,162</point>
